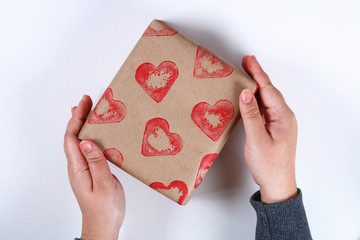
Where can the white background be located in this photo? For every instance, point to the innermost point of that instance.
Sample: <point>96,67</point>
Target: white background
<point>52,52</point>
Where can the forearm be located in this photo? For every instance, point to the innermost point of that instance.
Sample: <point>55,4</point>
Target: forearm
<point>282,220</point>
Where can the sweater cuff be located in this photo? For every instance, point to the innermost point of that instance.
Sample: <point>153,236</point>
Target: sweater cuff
<point>277,220</point>
<point>256,202</point>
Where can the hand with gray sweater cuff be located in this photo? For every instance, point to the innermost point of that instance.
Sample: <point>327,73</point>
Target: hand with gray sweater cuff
<point>271,136</point>
<point>270,149</point>
<point>281,220</point>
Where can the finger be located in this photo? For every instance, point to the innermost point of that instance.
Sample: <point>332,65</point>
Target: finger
<point>73,109</point>
<point>76,122</point>
<point>257,95</point>
<point>270,96</point>
<point>74,156</point>
<point>244,63</point>
<point>98,165</point>
<point>254,69</point>
<point>78,116</point>
<point>253,121</point>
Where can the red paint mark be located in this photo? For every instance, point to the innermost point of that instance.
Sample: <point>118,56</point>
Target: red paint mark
<point>158,141</point>
<point>209,65</point>
<point>114,155</point>
<point>174,184</point>
<point>158,29</point>
<point>205,164</point>
<point>157,81</point>
<point>107,110</point>
<point>213,120</point>
<point>257,88</point>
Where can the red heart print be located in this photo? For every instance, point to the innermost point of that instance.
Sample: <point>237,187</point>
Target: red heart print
<point>158,141</point>
<point>114,155</point>
<point>180,185</point>
<point>107,110</point>
<point>213,120</point>
<point>209,65</point>
<point>205,164</point>
<point>158,29</point>
<point>157,81</point>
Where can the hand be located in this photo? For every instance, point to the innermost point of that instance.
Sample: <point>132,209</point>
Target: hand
<point>270,145</point>
<point>99,193</point>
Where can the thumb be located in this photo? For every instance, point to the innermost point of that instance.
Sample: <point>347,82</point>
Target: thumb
<point>98,166</point>
<point>253,121</point>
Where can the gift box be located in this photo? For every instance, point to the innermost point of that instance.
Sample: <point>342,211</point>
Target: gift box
<point>168,111</point>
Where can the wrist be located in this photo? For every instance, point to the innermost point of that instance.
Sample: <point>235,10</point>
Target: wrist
<point>278,194</point>
<point>92,235</point>
<point>94,231</point>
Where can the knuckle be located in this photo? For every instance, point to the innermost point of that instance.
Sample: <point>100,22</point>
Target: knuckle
<point>66,145</point>
<point>275,94</point>
<point>261,74</point>
<point>276,91</point>
<point>270,87</point>
<point>279,94</point>
<point>292,117</point>
<point>79,171</point>
<point>265,75</point>
<point>97,157</point>
<point>67,140</point>
<point>67,135</point>
<point>252,113</point>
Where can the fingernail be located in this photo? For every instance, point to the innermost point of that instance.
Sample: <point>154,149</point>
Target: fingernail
<point>246,96</point>
<point>86,147</point>
<point>82,99</point>
<point>73,109</point>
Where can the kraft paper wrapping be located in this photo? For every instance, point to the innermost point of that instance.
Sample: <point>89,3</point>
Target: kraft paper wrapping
<point>168,111</point>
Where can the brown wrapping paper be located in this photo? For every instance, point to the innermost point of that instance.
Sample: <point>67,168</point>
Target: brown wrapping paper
<point>168,111</point>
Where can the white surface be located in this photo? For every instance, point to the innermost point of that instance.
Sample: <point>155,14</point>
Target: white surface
<point>52,52</point>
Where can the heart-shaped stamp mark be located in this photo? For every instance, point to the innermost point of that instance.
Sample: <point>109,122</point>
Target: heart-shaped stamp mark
<point>209,65</point>
<point>114,155</point>
<point>213,120</point>
<point>158,29</point>
<point>158,141</point>
<point>107,110</point>
<point>157,81</point>
<point>204,167</point>
<point>177,188</point>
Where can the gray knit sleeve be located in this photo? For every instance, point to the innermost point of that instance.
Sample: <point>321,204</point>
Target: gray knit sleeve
<point>283,220</point>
